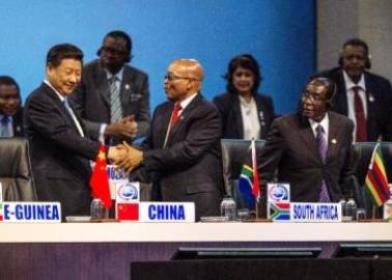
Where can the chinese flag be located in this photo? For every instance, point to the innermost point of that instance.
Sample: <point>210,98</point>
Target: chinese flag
<point>128,211</point>
<point>99,180</point>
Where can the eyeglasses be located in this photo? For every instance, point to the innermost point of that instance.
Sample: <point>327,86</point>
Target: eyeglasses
<point>171,77</point>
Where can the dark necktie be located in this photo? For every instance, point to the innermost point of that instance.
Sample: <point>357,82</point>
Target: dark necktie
<point>115,103</point>
<point>4,129</point>
<point>361,131</point>
<point>323,148</point>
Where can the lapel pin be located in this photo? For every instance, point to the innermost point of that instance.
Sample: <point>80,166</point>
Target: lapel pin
<point>127,87</point>
<point>371,98</point>
<point>333,141</point>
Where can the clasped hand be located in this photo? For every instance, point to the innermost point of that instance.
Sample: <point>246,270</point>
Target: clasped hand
<point>125,156</point>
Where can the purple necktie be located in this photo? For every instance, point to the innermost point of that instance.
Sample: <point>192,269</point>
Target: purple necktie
<point>322,146</point>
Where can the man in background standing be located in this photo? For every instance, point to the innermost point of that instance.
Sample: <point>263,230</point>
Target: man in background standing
<point>364,97</point>
<point>113,98</point>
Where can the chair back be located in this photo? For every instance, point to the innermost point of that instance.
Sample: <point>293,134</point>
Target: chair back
<point>15,170</point>
<point>235,153</point>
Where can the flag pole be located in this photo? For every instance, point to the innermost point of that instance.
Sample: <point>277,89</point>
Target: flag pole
<point>256,180</point>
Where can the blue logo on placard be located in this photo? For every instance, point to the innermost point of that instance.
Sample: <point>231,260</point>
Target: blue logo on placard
<point>128,192</point>
<point>279,193</point>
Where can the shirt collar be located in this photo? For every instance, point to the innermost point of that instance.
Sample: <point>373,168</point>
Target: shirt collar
<point>187,100</point>
<point>324,123</point>
<point>62,98</point>
<point>350,84</point>
<point>118,75</point>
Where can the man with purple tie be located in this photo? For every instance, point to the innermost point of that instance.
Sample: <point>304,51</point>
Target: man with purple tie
<point>310,149</point>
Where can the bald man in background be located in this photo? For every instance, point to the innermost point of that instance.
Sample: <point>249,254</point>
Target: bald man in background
<point>182,150</point>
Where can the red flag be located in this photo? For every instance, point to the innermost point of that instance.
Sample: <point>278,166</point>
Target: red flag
<point>128,211</point>
<point>256,180</point>
<point>99,180</point>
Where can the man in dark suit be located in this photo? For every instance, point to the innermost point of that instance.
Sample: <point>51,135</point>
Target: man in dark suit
<point>113,98</point>
<point>60,152</point>
<point>182,149</point>
<point>11,111</point>
<point>364,97</point>
<point>310,149</point>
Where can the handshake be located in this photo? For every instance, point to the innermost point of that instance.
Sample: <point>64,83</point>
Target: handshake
<point>125,156</point>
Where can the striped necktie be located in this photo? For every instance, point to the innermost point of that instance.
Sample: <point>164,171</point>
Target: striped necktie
<point>115,103</point>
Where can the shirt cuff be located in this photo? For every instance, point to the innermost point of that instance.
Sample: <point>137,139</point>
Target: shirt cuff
<point>101,137</point>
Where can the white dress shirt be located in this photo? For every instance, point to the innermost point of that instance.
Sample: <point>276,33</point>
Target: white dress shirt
<point>350,98</point>
<point>250,119</point>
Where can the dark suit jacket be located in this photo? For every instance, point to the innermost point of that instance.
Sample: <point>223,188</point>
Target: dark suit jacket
<point>92,99</point>
<point>229,107</point>
<point>379,102</point>
<point>59,154</point>
<point>189,165</point>
<point>18,124</point>
<point>291,150</point>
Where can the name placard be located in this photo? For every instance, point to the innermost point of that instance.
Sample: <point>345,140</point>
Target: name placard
<point>159,212</point>
<point>31,212</point>
<point>315,212</point>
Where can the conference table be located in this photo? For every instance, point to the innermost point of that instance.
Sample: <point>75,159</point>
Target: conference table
<point>105,250</point>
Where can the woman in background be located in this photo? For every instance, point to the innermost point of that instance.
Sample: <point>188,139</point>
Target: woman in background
<point>245,113</point>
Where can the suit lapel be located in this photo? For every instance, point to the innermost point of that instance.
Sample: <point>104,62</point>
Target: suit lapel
<point>126,87</point>
<point>341,105</point>
<point>102,83</point>
<point>333,136</point>
<point>260,115</point>
<point>307,135</point>
<point>370,101</point>
<point>238,116</point>
<point>66,116</point>
<point>161,128</point>
<point>185,115</point>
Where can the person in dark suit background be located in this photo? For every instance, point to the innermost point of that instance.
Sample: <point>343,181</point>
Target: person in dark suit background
<point>60,148</point>
<point>245,113</point>
<point>11,111</point>
<point>182,149</point>
<point>364,97</point>
<point>113,98</point>
<point>310,149</point>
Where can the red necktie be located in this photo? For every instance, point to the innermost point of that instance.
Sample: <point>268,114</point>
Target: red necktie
<point>175,114</point>
<point>361,132</point>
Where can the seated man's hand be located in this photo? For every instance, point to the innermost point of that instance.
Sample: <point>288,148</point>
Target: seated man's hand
<point>131,160</point>
<point>125,127</point>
